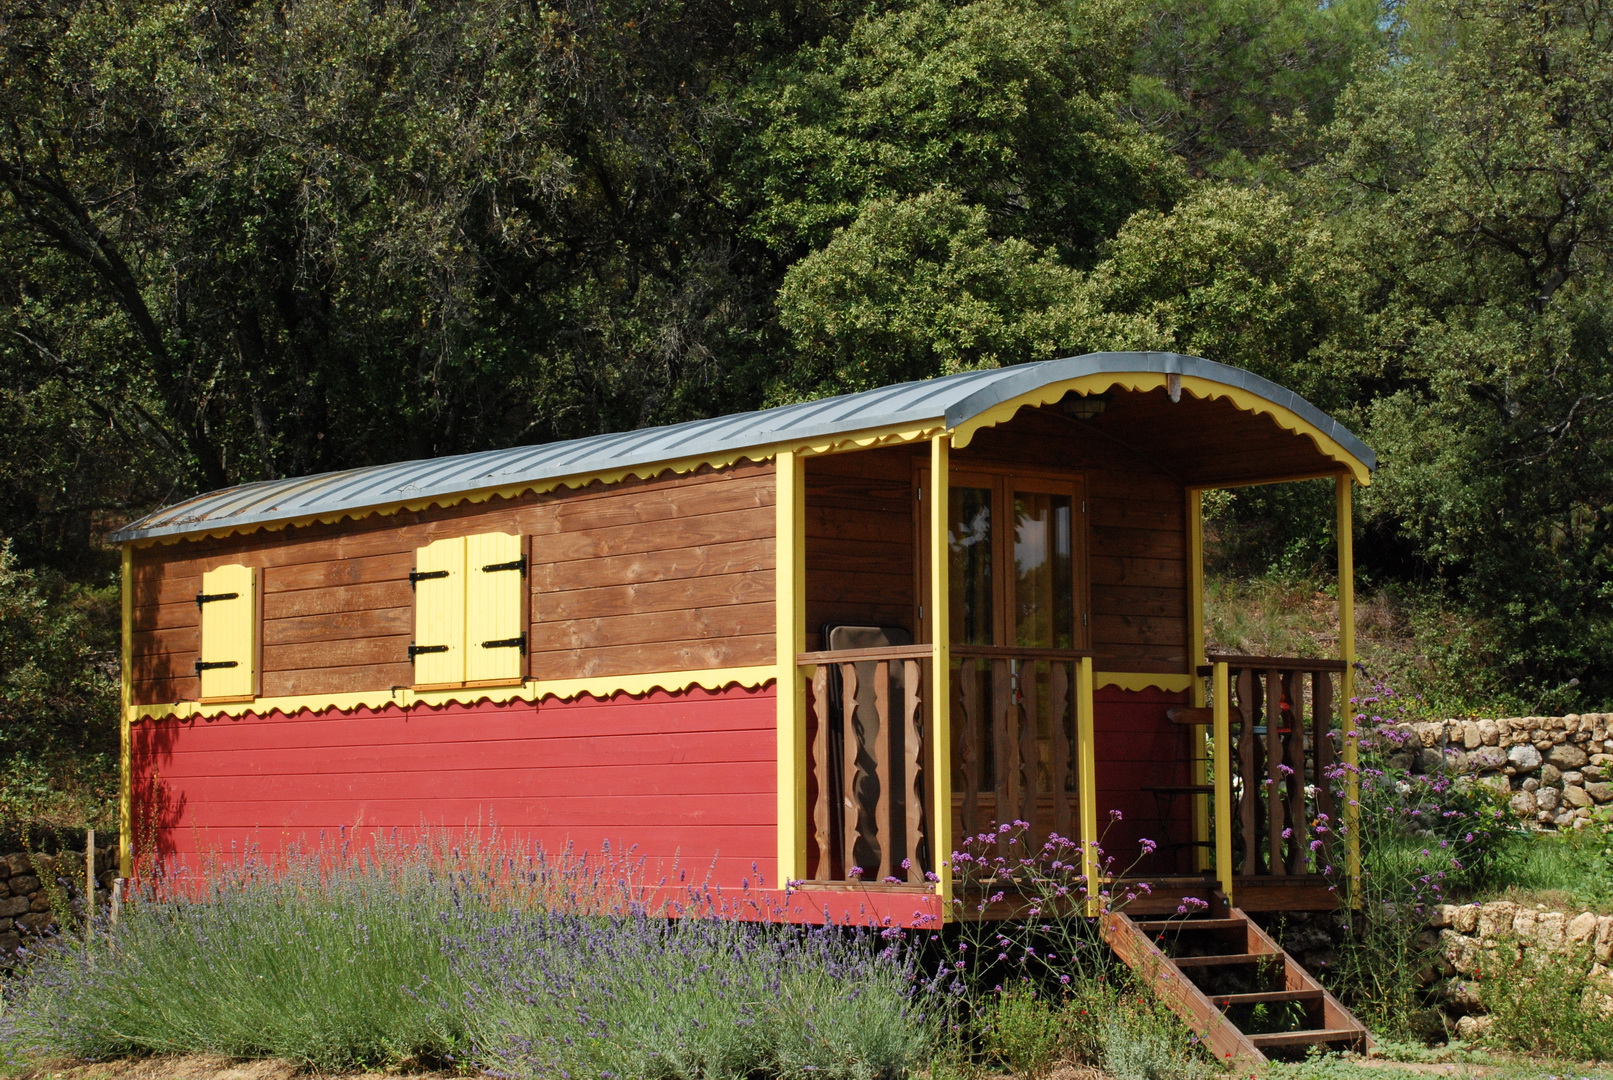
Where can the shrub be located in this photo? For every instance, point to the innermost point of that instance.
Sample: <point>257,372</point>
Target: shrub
<point>1554,1004</point>
<point>474,954</point>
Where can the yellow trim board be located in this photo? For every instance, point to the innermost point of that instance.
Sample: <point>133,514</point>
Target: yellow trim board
<point>532,690</point>
<point>1142,382</point>
<point>861,440</point>
<point>1142,680</point>
<point>125,737</point>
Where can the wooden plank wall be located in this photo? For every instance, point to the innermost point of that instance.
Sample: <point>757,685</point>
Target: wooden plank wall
<point>860,541</point>
<point>669,574</point>
<point>689,778</point>
<point>1137,522</point>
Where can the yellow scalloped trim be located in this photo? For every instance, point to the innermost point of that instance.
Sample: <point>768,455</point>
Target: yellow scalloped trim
<point>862,440</point>
<point>1143,382</point>
<point>1142,680</point>
<point>530,691</point>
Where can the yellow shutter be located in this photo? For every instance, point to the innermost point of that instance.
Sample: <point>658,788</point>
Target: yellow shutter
<point>229,658</point>
<point>439,613</point>
<point>495,580</point>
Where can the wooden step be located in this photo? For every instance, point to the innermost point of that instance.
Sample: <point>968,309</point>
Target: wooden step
<point>1226,960</point>
<point>1266,997</point>
<point>1310,1037</point>
<point>1155,926</point>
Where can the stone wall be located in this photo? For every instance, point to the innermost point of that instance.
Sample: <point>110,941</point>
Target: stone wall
<point>1501,934</point>
<point>29,884</point>
<point>1559,769</point>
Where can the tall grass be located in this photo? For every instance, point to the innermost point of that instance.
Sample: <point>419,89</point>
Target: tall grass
<point>518,962</point>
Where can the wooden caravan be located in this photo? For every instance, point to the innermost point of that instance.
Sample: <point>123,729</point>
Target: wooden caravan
<point>819,643</point>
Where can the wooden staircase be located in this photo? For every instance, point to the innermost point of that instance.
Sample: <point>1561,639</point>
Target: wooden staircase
<point>1233,985</point>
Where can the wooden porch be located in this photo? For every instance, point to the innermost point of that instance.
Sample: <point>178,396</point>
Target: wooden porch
<point>1258,826</point>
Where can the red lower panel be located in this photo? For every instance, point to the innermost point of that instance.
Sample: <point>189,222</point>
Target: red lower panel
<point>685,780</point>
<point>1137,748</point>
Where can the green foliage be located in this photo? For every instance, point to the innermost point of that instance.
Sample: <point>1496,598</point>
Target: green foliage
<point>1557,1004</point>
<point>1566,871</point>
<point>58,697</point>
<point>1023,1032</point>
<point>1000,101</point>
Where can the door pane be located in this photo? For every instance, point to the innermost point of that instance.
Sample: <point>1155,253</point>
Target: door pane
<point>969,544</point>
<point>1044,607</point>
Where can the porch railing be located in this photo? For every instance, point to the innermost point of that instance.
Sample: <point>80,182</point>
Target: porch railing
<point>868,805</point>
<point>1015,733</point>
<point>1275,731</point>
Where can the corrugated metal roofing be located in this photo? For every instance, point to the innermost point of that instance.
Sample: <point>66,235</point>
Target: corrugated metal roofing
<point>952,400</point>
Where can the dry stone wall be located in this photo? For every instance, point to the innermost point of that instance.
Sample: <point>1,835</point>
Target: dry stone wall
<point>1494,938</point>
<point>1557,769</point>
<point>31,884</point>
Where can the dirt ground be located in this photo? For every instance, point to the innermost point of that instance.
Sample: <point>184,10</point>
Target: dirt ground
<point>199,1067</point>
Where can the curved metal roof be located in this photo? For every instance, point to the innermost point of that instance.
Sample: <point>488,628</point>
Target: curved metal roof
<point>950,400</point>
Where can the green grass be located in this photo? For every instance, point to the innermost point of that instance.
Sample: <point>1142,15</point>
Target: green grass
<point>1561,871</point>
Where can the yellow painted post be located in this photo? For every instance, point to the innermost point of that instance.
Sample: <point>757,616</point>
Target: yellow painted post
<point>940,621</point>
<point>125,736</point>
<point>789,601</point>
<point>1195,657</point>
<point>1223,779</point>
<point>1086,782</point>
<point>1352,755</point>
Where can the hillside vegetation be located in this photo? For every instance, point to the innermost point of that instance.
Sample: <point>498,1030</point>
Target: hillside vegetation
<point>242,240</point>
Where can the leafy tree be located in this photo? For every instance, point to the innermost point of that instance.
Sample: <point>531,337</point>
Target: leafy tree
<point>1000,101</point>
<point>1473,187</point>
<point>915,287</point>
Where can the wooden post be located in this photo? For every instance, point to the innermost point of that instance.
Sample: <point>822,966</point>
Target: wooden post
<point>1222,691</point>
<point>125,710</point>
<point>1352,749</point>
<point>790,681</point>
<point>940,673</point>
<point>1087,780</point>
<point>1195,656</point>
<point>89,885</point>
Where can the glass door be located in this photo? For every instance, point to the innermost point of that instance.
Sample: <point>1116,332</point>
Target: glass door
<point>1016,575</point>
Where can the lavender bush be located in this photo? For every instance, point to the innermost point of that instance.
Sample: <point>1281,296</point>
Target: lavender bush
<point>562,993</point>
<point>512,961</point>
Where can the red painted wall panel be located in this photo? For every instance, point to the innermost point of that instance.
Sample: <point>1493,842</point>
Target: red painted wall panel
<point>689,778</point>
<point>1137,748</point>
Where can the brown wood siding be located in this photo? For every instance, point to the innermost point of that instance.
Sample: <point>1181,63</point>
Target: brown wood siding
<point>623,576</point>
<point>860,543</point>
<point>1137,532</point>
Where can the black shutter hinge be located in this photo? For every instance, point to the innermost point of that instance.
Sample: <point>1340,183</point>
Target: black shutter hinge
<point>506,643</point>
<point>208,598</point>
<point>211,665</point>
<point>416,650</point>
<point>425,575</point>
<point>515,564</point>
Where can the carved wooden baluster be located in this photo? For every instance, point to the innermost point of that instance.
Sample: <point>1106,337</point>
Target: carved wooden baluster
<point>913,786</point>
<point>967,749</point>
<point>820,864</point>
<point>1294,684</point>
<point>1029,752</point>
<point>1058,701</point>
<point>1249,798</point>
<point>1006,732</point>
<point>850,756</point>
<point>1323,738</point>
<point>879,748</point>
<point>1276,790</point>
